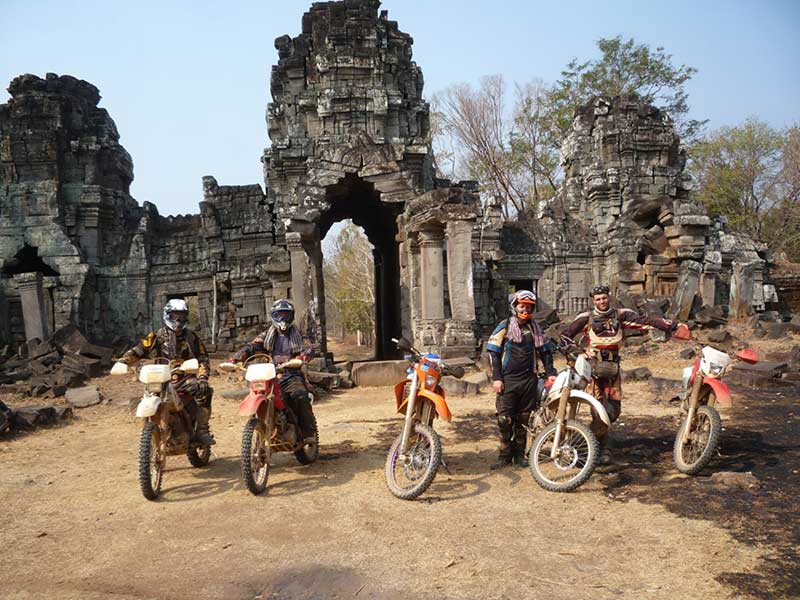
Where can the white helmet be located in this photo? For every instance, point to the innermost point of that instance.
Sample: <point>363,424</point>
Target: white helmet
<point>525,296</point>
<point>172,314</point>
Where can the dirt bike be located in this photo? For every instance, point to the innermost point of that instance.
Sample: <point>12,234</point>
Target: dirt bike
<point>168,428</point>
<point>699,432</point>
<point>414,457</point>
<point>564,451</point>
<point>271,425</point>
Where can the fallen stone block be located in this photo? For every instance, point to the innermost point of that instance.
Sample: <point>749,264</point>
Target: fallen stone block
<point>546,318</point>
<point>710,316</point>
<point>460,361</point>
<point>37,348</point>
<point>69,339</point>
<point>240,394</point>
<point>93,351</point>
<point>687,353</point>
<point>733,479</point>
<point>458,387</point>
<point>480,378</point>
<point>665,387</point>
<point>83,397</point>
<point>638,374</point>
<point>89,367</point>
<point>719,337</point>
<point>323,379</point>
<point>379,372</point>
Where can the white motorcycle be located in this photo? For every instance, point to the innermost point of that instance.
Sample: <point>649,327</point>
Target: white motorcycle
<point>564,451</point>
<point>168,429</point>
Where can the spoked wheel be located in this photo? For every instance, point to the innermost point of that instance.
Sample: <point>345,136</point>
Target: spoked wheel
<point>199,455</point>
<point>702,442</point>
<point>411,475</point>
<point>255,455</point>
<point>151,461</point>
<point>576,457</point>
<point>309,452</point>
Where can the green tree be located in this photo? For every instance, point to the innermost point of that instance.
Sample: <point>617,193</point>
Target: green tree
<point>349,282</point>
<point>625,67</point>
<point>750,174</point>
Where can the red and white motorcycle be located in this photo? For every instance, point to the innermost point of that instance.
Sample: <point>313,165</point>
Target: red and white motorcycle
<point>698,435</point>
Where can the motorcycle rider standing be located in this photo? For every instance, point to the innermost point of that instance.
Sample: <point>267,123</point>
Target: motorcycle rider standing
<point>284,342</point>
<point>603,329</point>
<point>177,343</point>
<point>514,348</point>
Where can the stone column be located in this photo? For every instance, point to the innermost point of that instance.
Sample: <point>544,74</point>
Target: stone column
<point>432,273</point>
<point>741,294</point>
<point>31,294</point>
<point>301,288</point>
<point>685,291</point>
<point>459,270</point>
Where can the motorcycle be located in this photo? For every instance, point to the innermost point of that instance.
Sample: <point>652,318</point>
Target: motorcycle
<point>698,435</point>
<point>271,425</point>
<point>169,429</point>
<point>564,451</point>
<point>414,457</point>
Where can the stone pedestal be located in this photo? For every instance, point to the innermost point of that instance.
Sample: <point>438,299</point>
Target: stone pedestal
<point>459,270</point>
<point>34,312</point>
<point>432,272</point>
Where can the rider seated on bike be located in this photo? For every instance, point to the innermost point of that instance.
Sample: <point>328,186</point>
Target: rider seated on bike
<point>177,343</point>
<point>603,330</point>
<point>284,342</point>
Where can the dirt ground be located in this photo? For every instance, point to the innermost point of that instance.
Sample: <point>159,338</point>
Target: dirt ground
<point>74,524</point>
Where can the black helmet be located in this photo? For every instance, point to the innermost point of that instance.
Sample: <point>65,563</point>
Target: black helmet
<point>282,314</point>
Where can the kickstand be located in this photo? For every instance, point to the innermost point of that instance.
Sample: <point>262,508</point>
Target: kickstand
<point>444,464</point>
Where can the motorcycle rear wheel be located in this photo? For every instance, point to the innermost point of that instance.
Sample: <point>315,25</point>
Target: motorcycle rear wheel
<point>256,454</point>
<point>579,454</point>
<point>309,452</point>
<point>151,463</point>
<point>696,453</point>
<point>409,478</point>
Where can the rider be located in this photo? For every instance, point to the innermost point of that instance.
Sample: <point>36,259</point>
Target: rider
<point>284,342</point>
<point>177,343</point>
<point>513,348</point>
<point>603,330</point>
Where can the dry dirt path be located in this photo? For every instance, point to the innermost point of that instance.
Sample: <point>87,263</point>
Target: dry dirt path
<point>74,524</point>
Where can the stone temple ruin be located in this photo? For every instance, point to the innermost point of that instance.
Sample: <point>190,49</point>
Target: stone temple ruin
<point>350,138</point>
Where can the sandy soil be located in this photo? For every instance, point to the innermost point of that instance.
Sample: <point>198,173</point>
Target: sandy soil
<point>74,524</point>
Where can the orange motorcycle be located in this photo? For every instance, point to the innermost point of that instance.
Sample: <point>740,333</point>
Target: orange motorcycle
<point>414,457</point>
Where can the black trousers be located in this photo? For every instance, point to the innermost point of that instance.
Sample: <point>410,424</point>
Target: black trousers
<point>295,395</point>
<point>514,407</point>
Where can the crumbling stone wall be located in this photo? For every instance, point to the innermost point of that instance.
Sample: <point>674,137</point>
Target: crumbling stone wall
<point>75,247</point>
<point>350,138</point>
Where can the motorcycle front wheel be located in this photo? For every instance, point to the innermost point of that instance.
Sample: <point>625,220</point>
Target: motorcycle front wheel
<point>256,453</point>
<point>199,455</point>
<point>576,457</point>
<point>702,442</point>
<point>151,462</point>
<point>410,476</point>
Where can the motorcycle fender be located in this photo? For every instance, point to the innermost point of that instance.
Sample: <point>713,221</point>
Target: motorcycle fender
<point>148,406</point>
<point>399,394</point>
<point>438,401</point>
<point>249,406</point>
<point>721,391</point>
<point>596,405</point>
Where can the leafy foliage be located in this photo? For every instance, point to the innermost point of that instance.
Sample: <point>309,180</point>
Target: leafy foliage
<point>751,175</point>
<point>350,282</point>
<point>515,152</point>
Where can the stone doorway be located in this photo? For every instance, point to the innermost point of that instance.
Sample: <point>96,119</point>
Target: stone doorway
<point>355,199</point>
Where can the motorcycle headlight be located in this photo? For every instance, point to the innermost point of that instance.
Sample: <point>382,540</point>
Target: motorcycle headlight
<point>152,388</point>
<point>431,381</point>
<point>716,370</point>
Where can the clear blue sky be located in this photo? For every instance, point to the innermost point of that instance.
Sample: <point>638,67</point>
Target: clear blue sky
<point>187,83</point>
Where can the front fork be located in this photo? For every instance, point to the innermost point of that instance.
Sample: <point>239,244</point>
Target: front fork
<point>695,394</point>
<point>561,417</point>
<point>408,423</point>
